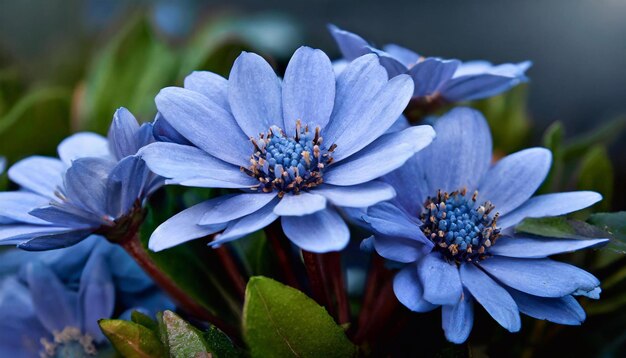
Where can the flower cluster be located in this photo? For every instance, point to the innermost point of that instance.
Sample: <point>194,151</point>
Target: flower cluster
<point>324,146</point>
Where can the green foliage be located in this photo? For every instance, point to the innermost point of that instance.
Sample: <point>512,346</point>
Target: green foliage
<point>171,336</point>
<point>35,124</point>
<point>280,321</point>
<point>596,173</point>
<point>614,223</point>
<point>131,339</point>
<point>508,119</point>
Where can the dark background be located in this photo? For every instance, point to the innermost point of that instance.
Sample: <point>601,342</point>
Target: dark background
<point>578,46</point>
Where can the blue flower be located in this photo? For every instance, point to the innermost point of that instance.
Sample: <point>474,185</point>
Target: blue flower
<point>51,307</point>
<point>436,79</point>
<point>452,224</point>
<point>97,186</point>
<point>297,148</point>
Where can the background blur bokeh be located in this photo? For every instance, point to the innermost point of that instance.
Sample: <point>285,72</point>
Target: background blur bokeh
<point>577,46</point>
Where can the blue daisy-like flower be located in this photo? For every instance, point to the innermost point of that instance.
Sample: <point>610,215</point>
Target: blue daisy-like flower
<point>97,185</point>
<point>297,148</point>
<point>452,224</point>
<point>436,80</point>
<point>51,305</point>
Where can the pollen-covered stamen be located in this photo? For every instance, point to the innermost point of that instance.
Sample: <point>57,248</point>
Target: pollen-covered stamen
<point>460,230</point>
<point>69,342</point>
<point>289,164</point>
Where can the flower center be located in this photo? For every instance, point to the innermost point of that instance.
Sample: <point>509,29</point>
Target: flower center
<point>460,230</point>
<point>289,164</point>
<point>68,343</point>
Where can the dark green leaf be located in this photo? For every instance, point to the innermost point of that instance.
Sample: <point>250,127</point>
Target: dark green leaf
<point>553,140</point>
<point>280,321</point>
<point>596,173</point>
<point>131,339</point>
<point>560,227</point>
<point>183,339</point>
<point>143,320</point>
<point>219,344</point>
<point>604,135</point>
<point>613,223</point>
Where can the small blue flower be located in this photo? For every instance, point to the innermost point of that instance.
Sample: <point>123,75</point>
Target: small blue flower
<point>95,187</point>
<point>436,80</point>
<point>51,307</point>
<point>452,224</point>
<point>294,147</point>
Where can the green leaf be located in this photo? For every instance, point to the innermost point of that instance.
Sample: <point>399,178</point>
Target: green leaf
<point>596,173</point>
<point>613,223</point>
<point>220,345</point>
<point>553,140</point>
<point>605,134</point>
<point>183,339</point>
<point>508,118</point>
<point>35,124</point>
<point>131,339</point>
<point>143,320</point>
<point>129,71</point>
<point>560,227</point>
<point>280,321</point>
<point>257,256</point>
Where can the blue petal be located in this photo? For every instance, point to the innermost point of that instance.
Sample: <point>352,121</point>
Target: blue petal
<point>357,196</point>
<point>183,227</point>
<point>561,310</point>
<point>83,145</point>
<point>85,184</point>
<point>357,88</point>
<point>16,205</point>
<point>460,155</point>
<point>247,224</point>
<point>96,295</point>
<point>55,240</point>
<point>321,232</point>
<point>514,179</point>
<point>127,185</point>
<point>495,299</point>
<point>255,95</point>
<point>308,90</point>
<point>400,249</point>
<point>392,221</point>
<point>364,122</point>
<point>409,291</point>
<point>41,175</point>
<point>205,124</point>
<point>351,45</point>
<point>457,320</point>
<point>440,280</point>
<point>430,74</point>
<point>540,277</point>
<point>384,155</point>
<point>399,125</point>
<point>483,81</point>
<point>186,165</point>
<point>550,205</point>
<point>213,86</point>
<point>300,204</point>
<point>539,247</point>
<point>409,195</point>
<point>17,233</point>
<point>55,305</point>
<point>235,207</point>
<point>393,66</point>
<point>402,54</point>
<point>123,134</point>
<point>66,215</point>
<point>164,132</point>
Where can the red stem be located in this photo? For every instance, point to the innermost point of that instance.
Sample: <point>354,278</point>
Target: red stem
<point>232,270</point>
<point>378,275</point>
<point>315,271</point>
<point>134,248</point>
<point>279,243</point>
<point>337,282</point>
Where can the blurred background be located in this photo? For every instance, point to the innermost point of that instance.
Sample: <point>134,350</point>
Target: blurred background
<point>66,65</point>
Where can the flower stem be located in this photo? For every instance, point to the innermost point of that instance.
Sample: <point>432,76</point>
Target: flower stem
<point>315,271</point>
<point>279,243</point>
<point>232,270</point>
<point>336,279</point>
<point>132,244</point>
